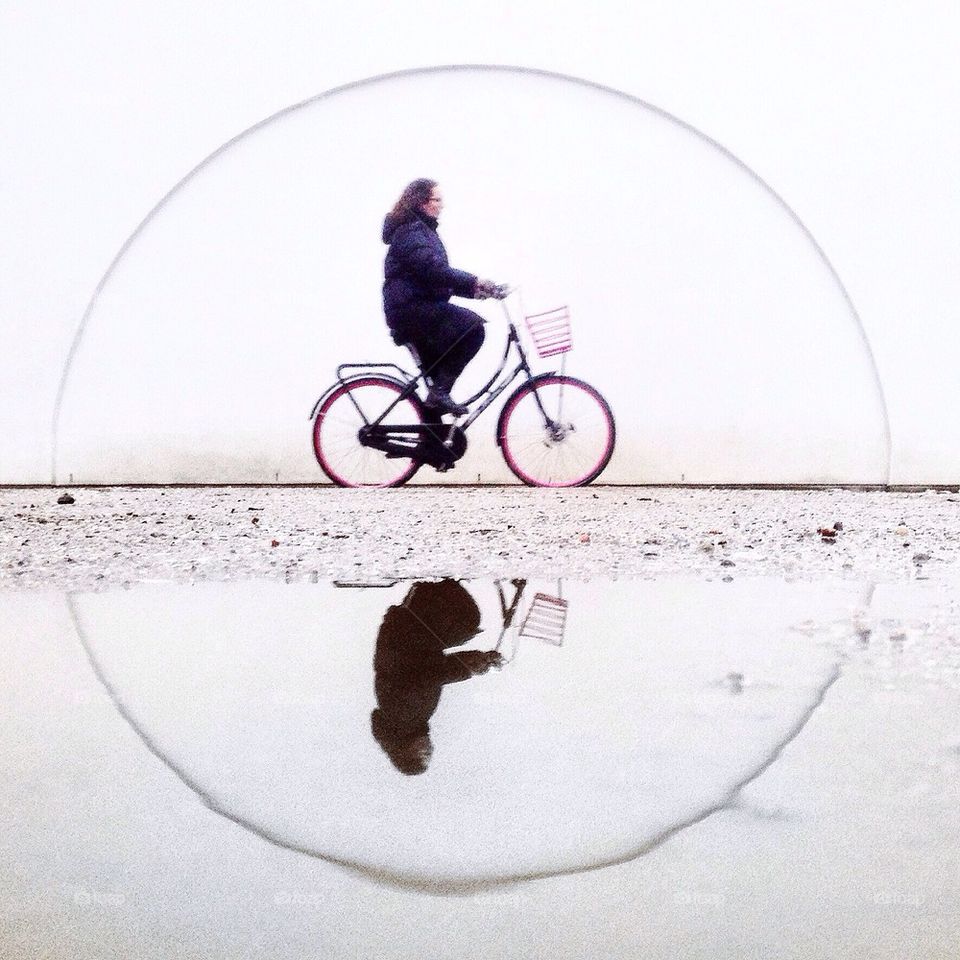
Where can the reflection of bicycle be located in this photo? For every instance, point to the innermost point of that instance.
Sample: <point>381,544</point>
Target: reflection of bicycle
<point>372,428</point>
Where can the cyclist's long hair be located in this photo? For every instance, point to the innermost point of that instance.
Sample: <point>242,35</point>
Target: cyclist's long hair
<point>414,196</point>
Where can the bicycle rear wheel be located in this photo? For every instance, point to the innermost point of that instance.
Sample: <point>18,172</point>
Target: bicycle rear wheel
<point>556,431</point>
<point>336,428</point>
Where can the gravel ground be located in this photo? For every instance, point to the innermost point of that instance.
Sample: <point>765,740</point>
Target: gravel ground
<point>118,535</point>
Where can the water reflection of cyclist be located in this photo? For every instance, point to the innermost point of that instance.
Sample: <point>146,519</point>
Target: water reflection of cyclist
<point>411,667</point>
<point>418,284</point>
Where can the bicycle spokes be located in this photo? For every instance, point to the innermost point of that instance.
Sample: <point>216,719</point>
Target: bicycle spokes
<point>557,431</point>
<point>343,434</point>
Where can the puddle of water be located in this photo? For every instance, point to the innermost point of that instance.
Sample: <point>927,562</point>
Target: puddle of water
<point>398,729</point>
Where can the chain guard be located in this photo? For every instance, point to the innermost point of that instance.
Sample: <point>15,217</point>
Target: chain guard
<point>451,445</point>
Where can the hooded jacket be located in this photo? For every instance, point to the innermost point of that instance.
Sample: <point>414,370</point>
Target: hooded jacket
<point>416,269</point>
<point>410,665</point>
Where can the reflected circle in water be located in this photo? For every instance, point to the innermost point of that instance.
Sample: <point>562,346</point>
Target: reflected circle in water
<point>662,701</point>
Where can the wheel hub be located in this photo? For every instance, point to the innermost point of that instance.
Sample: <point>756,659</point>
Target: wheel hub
<point>558,432</point>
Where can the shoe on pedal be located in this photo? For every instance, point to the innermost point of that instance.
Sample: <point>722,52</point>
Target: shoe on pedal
<point>439,399</point>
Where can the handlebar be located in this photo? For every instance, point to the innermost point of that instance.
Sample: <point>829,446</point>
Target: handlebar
<point>488,290</point>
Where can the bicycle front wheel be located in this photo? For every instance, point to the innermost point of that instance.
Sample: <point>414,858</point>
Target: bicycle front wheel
<point>556,431</point>
<point>336,433</point>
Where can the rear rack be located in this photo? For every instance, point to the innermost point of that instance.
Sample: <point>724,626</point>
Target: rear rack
<point>371,366</point>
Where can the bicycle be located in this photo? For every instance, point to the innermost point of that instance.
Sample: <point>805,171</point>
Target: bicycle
<point>372,428</point>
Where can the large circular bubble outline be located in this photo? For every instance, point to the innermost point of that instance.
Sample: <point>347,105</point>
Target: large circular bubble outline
<point>424,882</point>
<point>449,68</point>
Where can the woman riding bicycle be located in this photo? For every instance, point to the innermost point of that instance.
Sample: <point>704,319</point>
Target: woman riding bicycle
<point>418,284</point>
<point>371,428</point>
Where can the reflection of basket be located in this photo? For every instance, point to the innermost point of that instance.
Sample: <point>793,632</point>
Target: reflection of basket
<point>550,331</point>
<point>546,619</point>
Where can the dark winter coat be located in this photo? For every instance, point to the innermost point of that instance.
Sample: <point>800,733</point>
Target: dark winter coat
<point>416,269</point>
<point>410,666</point>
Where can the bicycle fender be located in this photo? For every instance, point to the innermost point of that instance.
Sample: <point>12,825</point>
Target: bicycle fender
<point>323,396</point>
<point>523,386</point>
<point>342,383</point>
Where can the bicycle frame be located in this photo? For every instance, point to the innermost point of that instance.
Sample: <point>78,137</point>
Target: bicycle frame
<point>491,390</point>
<point>513,339</point>
<point>553,430</point>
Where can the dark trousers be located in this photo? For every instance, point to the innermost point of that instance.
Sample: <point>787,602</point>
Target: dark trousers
<point>446,337</point>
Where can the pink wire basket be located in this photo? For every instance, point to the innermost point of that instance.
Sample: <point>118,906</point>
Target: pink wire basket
<point>551,331</point>
<point>546,619</point>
